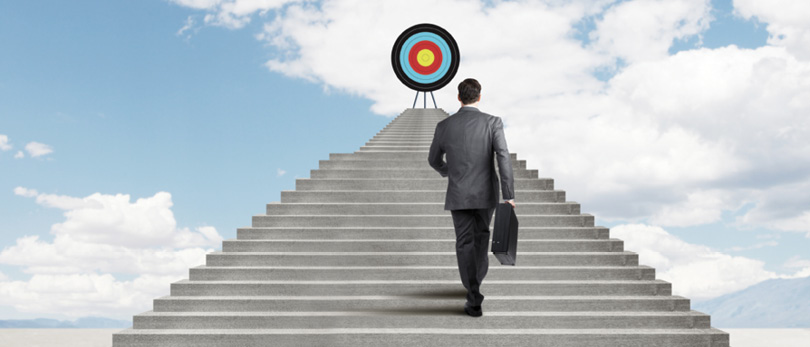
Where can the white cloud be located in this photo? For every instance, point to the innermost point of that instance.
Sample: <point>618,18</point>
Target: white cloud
<point>28,193</point>
<point>754,246</point>
<point>186,27</point>
<point>36,149</point>
<point>280,172</point>
<point>784,207</point>
<point>645,29</point>
<point>19,155</point>
<point>788,22</point>
<point>4,145</point>
<point>797,262</point>
<point>232,14</point>
<point>198,4</point>
<point>698,207</point>
<point>114,220</point>
<point>3,276</point>
<point>103,235</point>
<point>696,271</point>
<point>802,264</point>
<point>86,294</point>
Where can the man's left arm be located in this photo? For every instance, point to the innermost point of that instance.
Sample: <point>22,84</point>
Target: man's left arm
<point>435,155</point>
<point>504,161</point>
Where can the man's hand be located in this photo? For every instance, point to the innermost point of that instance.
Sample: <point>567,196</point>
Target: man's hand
<point>511,202</point>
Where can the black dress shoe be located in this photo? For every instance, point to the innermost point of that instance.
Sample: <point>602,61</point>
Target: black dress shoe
<point>474,311</point>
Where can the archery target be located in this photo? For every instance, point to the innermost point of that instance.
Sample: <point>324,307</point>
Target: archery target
<point>425,57</point>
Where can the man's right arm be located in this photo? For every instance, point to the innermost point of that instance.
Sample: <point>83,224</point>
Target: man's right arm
<point>504,162</point>
<point>435,155</point>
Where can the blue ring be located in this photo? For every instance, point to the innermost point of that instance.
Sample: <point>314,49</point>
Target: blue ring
<point>406,65</point>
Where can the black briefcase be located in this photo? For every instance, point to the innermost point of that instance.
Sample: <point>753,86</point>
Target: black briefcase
<point>504,234</point>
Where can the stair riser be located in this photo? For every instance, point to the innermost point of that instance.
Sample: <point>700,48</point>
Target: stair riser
<point>427,172</point>
<point>408,131</point>
<point>421,138</point>
<point>393,148</point>
<point>400,246</point>
<point>409,305</point>
<point>440,259</point>
<point>386,156</point>
<point>407,233</point>
<point>451,319</point>
<point>435,196</point>
<point>496,273</point>
<point>408,221</point>
<point>403,142</point>
<point>389,164</point>
<point>407,209</point>
<point>395,339</point>
<point>423,184</point>
<point>429,290</point>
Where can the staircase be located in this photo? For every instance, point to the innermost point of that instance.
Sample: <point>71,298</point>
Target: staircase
<point>363,254</point>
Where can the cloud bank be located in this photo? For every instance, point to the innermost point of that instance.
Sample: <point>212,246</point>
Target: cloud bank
<point>103,238</point>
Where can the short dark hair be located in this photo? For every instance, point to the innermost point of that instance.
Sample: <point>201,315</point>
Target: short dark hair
<point>468,91</point>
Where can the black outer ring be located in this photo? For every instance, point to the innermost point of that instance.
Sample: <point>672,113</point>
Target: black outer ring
<point>441,82</point>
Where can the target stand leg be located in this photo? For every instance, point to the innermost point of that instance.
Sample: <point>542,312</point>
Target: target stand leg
<point>434,99</point>
<point>414,99</point>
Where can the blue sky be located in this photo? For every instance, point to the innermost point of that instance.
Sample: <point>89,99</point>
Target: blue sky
<point>130,103</point>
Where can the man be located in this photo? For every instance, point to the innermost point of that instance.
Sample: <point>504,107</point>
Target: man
<point>469,138</point>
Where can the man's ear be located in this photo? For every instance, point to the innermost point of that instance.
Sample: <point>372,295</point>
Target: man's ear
<point>479,98</point>
<point>458,97</point>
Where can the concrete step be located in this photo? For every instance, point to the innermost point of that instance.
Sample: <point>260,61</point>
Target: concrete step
<point>312,273</point>
<point>432,220</point>
<point>400,141</point>
<point>452,319</point>
<point>374,143</point>
<point>443,220</point>
<point>389,137</point>
<point>407,305</point>
<point>403,196</point>
<point>404,245</point>
<point>408,337</point>
<point>410,129</point>
<point>426,172</point>
<point>395,148</point>
<point>413,128</point>
<point>412,259</point>
<point>419,289</point>
<point>267,233</point>
<point>400,155</point>
<point>435,208</point>
<point>427,132</point>
<point>389,164</point>
<point>438,183</point>
<point>414,132</point>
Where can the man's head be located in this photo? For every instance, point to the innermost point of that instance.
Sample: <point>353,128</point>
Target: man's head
<point>469,91</point>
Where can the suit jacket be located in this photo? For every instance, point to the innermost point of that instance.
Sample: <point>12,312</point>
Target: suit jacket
<point>470,139</point>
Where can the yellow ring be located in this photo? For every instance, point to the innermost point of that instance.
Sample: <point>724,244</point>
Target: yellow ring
<point>425,57</point>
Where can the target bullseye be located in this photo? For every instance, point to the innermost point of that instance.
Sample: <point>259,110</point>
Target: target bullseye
<point>425,57</point>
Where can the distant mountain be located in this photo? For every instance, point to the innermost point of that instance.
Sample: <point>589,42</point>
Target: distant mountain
<point>776,303</point>
<point>85,322</point>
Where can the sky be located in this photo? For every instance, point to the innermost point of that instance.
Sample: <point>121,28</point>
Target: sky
<point>136,135</point>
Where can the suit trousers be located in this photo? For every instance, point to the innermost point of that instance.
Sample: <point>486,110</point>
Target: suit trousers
<point>472,248</point>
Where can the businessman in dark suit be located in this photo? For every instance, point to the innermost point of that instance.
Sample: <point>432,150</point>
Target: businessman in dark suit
<point>470,139</point>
